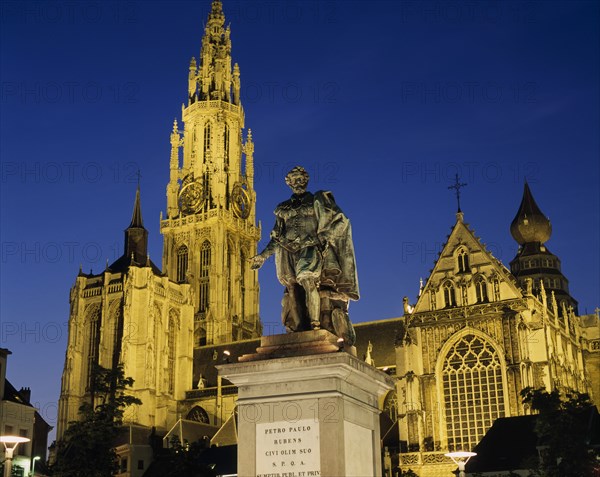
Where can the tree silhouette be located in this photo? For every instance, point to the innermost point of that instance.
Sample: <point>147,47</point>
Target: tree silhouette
<point>88,446</point>
<point>564,428</point>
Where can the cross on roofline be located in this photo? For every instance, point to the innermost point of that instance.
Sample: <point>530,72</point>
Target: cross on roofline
<point>457,186</point>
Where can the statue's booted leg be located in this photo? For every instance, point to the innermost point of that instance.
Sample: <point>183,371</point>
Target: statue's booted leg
<point>313,301</point>
<point>326,309</point>
<point>341,322</point>
<point>293,308</point>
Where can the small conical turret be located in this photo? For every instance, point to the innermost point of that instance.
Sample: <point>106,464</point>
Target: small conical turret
<point>136,236</point>
<point>530,224</point>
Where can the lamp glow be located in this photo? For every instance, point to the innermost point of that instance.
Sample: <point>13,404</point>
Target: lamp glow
<point>460,458</point>
<point>37,457</point>
<point>10,444</point>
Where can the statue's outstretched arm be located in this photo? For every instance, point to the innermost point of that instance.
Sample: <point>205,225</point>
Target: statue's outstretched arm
<point>258,260</point>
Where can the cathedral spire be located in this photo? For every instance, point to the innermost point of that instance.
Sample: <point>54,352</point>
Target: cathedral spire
<point>216,16</point>
<point>136,236</point>
<point>136,218</point>
<point>212,77</point>
<point>210,229</point>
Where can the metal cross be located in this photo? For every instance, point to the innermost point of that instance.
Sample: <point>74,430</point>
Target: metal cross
<point>457,186</point>
<point>139,176</point>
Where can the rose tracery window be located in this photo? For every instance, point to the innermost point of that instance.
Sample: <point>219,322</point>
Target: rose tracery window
<point>473,391</point>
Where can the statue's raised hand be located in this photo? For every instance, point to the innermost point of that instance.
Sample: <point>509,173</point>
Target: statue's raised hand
<point>256,262</point>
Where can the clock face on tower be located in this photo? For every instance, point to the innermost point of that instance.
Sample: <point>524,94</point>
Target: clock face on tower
<point>240,201</point>
<point>191,196</point>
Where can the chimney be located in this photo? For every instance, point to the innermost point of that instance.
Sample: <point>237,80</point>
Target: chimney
<point>26,394</point>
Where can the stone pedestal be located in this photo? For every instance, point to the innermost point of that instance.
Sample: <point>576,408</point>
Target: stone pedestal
<point>303,414</point>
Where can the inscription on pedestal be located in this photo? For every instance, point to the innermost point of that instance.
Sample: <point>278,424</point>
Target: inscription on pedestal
<point>288,449</point>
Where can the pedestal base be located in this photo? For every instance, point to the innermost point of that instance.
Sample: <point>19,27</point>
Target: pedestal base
<point>307,414</point>
<point>298,344</point>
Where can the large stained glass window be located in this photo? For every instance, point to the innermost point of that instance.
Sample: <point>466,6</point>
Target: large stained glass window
<point>473,391</point>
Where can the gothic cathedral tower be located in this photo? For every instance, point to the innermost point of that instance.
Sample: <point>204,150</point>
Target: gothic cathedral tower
<point>210,230</point>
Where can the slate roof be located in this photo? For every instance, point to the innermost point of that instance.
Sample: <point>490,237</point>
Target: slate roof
<point>123,263</point>
<point>12,395</point>
<point>382,335</point>
<point>206,357</point>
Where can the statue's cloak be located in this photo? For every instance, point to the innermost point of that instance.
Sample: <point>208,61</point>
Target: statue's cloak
<point>335,236</point>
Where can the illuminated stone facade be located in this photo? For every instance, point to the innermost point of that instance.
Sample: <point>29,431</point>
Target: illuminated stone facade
<point>478,334</point>
<point>133,315</point>
<point>473,341</point>
<point>460,357</point>
<point>151,320</point>
<point>210,231</point>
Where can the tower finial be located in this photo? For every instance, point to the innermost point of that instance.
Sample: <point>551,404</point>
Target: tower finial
<point>457,186</point>
<point>530,224</point>
<point>136,216</point>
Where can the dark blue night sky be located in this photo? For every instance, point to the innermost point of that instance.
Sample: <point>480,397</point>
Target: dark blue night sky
<point>382,101</point>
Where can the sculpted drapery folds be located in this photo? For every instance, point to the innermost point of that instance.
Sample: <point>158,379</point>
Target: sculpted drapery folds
<point>314,258</point>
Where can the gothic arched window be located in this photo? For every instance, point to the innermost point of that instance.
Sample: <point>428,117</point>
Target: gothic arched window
<point>226,147</point>
<point>198,414</point>
<point>171,350</point>
<point>481,290</point>
<point>206,139</point>
<point>115,327</point>
<point>390,405</point>
<point>93,342</point>
<point>473,391</point>
<point>182,263</point>
<point>449,295</point>
<point>243,283</point>
<point>230,273</point>
<point>463,261</point>
<point>204,293</point>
